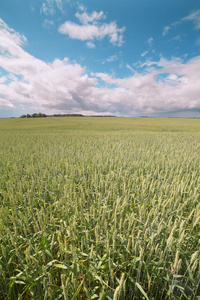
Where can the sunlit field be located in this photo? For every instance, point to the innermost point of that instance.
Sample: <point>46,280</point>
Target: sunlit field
<point>99,208</point>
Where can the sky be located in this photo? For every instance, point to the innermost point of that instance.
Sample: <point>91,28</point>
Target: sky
<point>100,57</point>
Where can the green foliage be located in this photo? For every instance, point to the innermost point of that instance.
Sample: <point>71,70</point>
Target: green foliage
<point>35,115</point>
<point>68,115</point>
<point>99,208</point>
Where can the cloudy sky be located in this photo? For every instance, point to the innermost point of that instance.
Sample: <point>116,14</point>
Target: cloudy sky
<point>102,57</point>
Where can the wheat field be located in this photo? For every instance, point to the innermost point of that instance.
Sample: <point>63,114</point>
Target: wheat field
<point>99,208</point>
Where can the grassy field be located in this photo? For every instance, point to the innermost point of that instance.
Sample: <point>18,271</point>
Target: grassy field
<point>99,208</point>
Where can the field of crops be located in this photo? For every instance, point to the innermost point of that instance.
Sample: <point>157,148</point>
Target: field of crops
<point>99,208</point>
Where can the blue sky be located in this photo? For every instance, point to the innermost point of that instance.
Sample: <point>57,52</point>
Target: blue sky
<point>114,57</point>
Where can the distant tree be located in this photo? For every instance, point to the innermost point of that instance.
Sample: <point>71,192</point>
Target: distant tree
<point>35,115</point>
<point>68,115</point>
<point>40,115</point>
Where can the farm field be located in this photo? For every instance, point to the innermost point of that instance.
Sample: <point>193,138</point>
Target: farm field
<point>99,208</point>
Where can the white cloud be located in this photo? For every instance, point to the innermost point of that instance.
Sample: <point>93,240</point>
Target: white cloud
<point>91,28</point>
<point>59,5</point>
<point>10,38</point>
<point>90,45</point>
<point>150,41</point>
<point>64,87</point>
<point>32,8</point>
<point>177,38</point>
<point>110,59</point>
<point>81,7</point>
<point>173,77</point>
<point>144,53</point>
<point>179,90</point>
<point>48,24</point>
<point>47,9</point>
<point>85,18</point>
<point>193,17</point>
<point>130,68</point>
<point>166,30</point>
<point>81,32</point>
<point>5,104</point>
<point>91,32</point>
<point>49,6</point>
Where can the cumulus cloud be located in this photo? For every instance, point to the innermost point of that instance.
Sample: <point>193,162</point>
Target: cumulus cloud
<point>65,87</point>
<point>91,29</point>
<point>35,81</point>
<point>92,32</point>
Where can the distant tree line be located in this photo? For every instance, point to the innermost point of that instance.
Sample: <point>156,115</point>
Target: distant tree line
<point>67,115</point>
<point>40,115</point>
<point>35,115</point>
